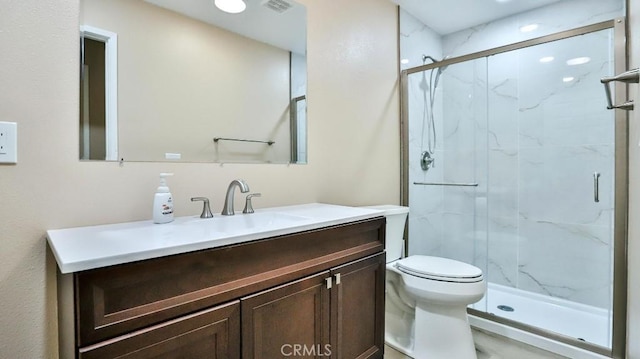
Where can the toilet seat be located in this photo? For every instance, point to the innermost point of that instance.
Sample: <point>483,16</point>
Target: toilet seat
<point>440,269</point>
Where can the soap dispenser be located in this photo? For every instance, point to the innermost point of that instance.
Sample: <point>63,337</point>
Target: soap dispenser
<point>162,202</point>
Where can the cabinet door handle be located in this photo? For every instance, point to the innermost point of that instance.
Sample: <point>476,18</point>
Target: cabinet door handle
<point>328,280</point>
<point>337,278</point>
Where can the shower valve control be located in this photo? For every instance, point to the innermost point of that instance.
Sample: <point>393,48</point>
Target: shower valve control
<point>426,161</point>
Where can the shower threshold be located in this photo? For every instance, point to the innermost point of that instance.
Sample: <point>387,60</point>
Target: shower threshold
<point>583,322</point>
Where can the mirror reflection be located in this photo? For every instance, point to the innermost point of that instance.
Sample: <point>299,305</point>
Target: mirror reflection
<point>161,79</point>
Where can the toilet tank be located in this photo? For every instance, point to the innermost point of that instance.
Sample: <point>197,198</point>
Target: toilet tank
<point>396,218</point>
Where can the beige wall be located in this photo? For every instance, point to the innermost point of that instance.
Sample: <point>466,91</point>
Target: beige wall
<point>353,147</point>
<point>182,82</point>
<point>353,154</point>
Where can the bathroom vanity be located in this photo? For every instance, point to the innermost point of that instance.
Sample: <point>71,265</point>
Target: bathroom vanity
<point>305,281</point>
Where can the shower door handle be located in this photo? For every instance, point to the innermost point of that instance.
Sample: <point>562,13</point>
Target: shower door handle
<point>596,187</point>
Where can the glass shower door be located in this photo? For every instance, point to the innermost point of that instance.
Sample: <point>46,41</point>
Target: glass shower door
<point>550,187</point>
<point>519,180</point>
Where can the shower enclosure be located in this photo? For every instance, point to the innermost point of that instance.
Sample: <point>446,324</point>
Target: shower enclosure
<point>526,179</point>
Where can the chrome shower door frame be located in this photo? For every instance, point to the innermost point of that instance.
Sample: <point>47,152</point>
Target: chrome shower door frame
<point>621,185</point>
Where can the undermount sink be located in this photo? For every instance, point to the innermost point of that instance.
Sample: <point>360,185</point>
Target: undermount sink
<point>241,222</point>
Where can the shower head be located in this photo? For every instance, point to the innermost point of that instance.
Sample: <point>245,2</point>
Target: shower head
<point>428,119</point>
<point>440,71</point>
<point>442,68</point>
<point>433,60</point>
<point>427,57</point>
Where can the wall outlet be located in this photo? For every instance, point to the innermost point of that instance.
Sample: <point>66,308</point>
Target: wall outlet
<point>3,143</point>
<point>8,142</point>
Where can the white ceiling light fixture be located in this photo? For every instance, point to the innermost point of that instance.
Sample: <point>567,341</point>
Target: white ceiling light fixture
<point>578,61</point>
<point>528,28</point>
<point>502,1</point>
<point>546,59</point>
<point>568,79</point>
<point>231,6</point>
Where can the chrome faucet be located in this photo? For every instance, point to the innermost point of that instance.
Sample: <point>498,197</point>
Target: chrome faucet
<point>227,210</point>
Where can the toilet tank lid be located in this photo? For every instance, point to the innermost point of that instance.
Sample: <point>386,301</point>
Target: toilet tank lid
<point>390,209</point>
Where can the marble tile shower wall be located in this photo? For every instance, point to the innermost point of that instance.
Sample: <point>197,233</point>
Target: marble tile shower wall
<point>560,16</point>
<point>425,202</point>
<point>532,143</point>
<point>425,217</point>
<point>417,39</point>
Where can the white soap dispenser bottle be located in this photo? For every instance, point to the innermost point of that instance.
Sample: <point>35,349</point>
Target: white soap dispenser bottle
<point>163,202</point>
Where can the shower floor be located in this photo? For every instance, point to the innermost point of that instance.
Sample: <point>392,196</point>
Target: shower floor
<point>571,319</point>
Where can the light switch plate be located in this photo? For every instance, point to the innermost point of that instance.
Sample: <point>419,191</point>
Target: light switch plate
<point>8,142</point>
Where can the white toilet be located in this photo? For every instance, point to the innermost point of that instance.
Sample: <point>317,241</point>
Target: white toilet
<point>427,298</point>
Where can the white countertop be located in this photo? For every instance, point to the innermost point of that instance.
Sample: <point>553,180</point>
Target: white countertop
<point>82,248</point>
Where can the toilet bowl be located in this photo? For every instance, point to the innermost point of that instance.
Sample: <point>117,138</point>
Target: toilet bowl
<point>426,298</point>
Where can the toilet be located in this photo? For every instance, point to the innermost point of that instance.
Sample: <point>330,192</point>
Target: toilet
<point>427,298</point>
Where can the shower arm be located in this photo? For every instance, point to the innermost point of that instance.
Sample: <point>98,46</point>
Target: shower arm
<point>427,57</point>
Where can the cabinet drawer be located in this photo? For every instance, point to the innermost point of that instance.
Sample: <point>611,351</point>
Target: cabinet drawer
<point>123,298</point>
<point>212,333</point>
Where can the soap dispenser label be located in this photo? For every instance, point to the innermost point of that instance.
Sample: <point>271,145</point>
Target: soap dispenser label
<point>167,208</point>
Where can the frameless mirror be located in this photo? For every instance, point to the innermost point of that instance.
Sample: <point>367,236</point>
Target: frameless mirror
<point>181,80</point>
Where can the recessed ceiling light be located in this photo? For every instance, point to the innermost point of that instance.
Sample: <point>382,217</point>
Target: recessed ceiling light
<point>546,59</point>
<point>528,28</point>
<point>568,79</point>
<point>502,1</point>
<point>578,61</point>
<point>404,61</point>
<point>231,6</point>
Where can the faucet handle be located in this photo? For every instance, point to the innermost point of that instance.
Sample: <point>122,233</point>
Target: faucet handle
<point>206,211</point>
<point>248,207</point>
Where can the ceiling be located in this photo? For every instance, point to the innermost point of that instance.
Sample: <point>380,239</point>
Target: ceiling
<point>448,16</point>
<point>265,25</point>
<point>286,30</point>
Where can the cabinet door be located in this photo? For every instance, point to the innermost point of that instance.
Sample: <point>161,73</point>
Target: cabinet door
<point>358,308</point>
<point>290,320</point>
<point>211,333</point>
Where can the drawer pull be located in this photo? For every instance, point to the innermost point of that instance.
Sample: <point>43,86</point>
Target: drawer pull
<point>337,278</point>
<point>329,281</point>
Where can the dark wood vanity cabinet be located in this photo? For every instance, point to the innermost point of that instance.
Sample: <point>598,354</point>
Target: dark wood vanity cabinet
<point>211,333</point>
<point>321,289</point>
<point>334,314</point>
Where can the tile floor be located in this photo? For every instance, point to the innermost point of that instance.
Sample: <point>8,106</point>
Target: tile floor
<point>490,346</point>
